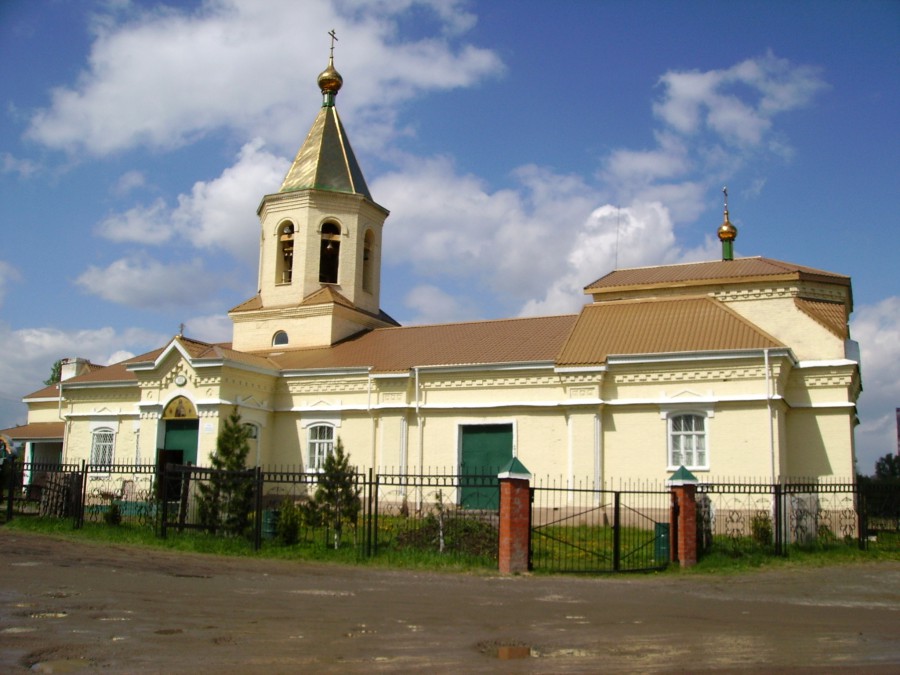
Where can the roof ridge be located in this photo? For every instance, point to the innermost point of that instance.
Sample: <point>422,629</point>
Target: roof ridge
<point>691,262</point>
<point>481,321</point>
<point>655,298</point>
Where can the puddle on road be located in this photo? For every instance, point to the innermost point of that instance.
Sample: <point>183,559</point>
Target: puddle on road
<point>60,666</point>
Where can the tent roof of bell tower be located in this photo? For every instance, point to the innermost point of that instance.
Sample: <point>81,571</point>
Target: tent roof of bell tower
<point>326,160</point>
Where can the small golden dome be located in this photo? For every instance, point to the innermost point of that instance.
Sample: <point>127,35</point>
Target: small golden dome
<point>727,231</point>
<point>330,80</point>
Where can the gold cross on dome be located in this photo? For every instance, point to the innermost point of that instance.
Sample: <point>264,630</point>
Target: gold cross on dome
<point>725,192</point>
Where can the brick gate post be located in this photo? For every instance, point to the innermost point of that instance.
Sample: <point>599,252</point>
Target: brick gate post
<point>515,517</point>
<point>684,517</point>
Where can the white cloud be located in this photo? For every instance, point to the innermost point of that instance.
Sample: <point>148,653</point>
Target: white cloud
<point>142,224</point>
<point>23,167</point>
<point>877,329</point>
<point>143,282</point>
<point>128,181</point>
<point>433,305</point>
<point>613,237</point>
<point>216,214</point>
<point>220,213</point>
<point>694,101</point>
<point>511,241</point>
<point>535,246</point>
<point>210,328</point>
<point>164,77</point>
<point>668,160</point>
<point>714,123</point>
<point>26,356</point>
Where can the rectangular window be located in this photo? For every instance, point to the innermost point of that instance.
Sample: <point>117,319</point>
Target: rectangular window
<point>102,444</point>
<point>321,444</point>
<point>687,442</point>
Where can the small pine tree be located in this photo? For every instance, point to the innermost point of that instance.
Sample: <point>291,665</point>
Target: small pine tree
<point>226,500</point>
<point>288,528</point>
<point>337,496</point>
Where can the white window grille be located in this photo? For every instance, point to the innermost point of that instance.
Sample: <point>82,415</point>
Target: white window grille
<point>103,442</point>
<point>688,442</point>
<point>321,444</point>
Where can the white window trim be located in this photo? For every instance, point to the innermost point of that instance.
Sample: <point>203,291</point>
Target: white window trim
<point>112,443</point>
<point>668,413</point>
<point>312,466</point>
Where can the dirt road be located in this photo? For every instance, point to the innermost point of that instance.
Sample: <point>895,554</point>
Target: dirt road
<point>80,607</point>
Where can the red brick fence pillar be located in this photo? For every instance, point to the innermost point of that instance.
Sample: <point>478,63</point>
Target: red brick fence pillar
<point>515,518</point>
<point>683,517</point>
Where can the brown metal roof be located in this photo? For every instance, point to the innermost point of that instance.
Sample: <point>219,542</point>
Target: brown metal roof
<point>36,431</point>
<point>326,295</point>
<point>119,372</point>
<point>401,349</point>
<point>832,315</point>
<point>658,326</point>
<point>248,305</point>
<point>718,271</point>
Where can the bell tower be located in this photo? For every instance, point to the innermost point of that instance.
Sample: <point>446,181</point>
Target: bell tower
<point>320,245</point>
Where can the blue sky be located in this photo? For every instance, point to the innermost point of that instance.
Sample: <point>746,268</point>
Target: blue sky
<point>523,148</point>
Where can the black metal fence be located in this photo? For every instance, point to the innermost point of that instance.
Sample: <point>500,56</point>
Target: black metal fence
<point>444,515</point>
<point>777,518</point>
<point>576,528</point>
<point>436,514</point>
<point>447,516</point>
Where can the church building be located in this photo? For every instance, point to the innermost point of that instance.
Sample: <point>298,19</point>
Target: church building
<point>739,367</point>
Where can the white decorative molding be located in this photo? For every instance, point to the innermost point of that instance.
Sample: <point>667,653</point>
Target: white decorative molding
<point>705,408</point>
<point>719,374</point>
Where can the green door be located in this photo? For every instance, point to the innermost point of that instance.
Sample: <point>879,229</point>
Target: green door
<point>486,448</point>
<point>181,436</point>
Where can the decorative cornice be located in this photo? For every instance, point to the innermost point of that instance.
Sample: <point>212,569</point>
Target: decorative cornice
<point>718,374</point>
<point>810,291</point>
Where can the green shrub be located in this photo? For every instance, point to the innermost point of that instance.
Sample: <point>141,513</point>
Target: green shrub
<point>287,529</point>
<point>761,529</point>
<point>113,515</point>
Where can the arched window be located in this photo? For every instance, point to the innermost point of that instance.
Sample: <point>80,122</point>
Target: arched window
<point>279,339</point>
<point>284,266</point>
<point>368,260</point>
<point>321,444</point>
<point>330,253</point>
<point>688,442</point>
<point>103,442</point>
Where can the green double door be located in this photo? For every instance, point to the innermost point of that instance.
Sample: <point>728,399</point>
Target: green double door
<point>180,447</point>
<point>486,448</point>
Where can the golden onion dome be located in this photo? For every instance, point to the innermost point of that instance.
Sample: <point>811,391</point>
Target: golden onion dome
<point>727,231</point>
<point>330,80</point>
